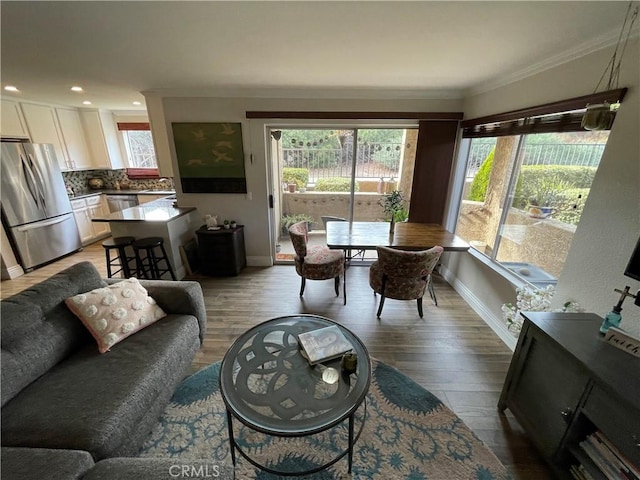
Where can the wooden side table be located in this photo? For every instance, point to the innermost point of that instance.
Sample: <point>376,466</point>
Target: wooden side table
<point>222,251</point>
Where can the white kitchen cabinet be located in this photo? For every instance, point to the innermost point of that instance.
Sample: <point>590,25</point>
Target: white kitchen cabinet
<point>73,135</point>
<point>43,126</point>
<point>98,208</point>
<point>102,138</point>
<point>84,209</point>
<point>12,122</point>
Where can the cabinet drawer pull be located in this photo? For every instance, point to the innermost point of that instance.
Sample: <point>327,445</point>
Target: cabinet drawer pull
<point>566,414</point>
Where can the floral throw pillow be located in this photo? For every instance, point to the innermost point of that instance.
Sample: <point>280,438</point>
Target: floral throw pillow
<point>115,312</point>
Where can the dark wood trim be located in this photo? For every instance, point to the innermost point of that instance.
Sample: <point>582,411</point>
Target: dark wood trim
<point>432,171</point>
<point>358,115</point>
<point>570,104</point>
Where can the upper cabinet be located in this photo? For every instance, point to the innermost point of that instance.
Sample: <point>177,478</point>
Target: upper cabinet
<point>74,139</point>
<point>43,126</point>
<point>12,123</point>
<point>102,138</point>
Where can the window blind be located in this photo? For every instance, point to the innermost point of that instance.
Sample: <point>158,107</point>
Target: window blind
<point>561,116</point>
<point>133,126</point>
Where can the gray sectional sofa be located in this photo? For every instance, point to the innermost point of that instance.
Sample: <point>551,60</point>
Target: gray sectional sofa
<point>65,406</point>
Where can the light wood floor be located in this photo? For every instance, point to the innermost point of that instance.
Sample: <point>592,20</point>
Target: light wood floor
<point>451,352</point>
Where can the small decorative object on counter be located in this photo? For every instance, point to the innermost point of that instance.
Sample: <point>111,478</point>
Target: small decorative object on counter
<point>226,224</point>
<point>613,318</point>
<point>211,221</point>
<point>233,224</point>
<point>349,362</point>
<point>70,191</point>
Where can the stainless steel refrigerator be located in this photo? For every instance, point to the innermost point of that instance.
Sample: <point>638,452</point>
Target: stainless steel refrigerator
<point>36,210</point>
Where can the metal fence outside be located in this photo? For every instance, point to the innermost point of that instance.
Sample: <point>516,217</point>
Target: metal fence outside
<point>374,160</point>
<point>575,154</point>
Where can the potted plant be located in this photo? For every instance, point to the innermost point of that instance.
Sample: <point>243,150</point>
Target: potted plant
<point>226,224</point>
<point>393,206</point>
<point>547,194</point>
<point>233,224</point>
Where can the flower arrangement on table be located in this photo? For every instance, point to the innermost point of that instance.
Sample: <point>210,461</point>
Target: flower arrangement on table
<point>529,299</point>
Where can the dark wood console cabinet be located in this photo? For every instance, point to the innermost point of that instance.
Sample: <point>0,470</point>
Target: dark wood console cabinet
<point>221,251</point>
<point>565,382</point>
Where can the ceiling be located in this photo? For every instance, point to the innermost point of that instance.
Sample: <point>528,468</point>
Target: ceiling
<point>115,50</point>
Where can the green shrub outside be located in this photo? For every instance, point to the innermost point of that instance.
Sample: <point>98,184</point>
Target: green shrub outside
<point>478,189</point>
<point>552,185</point>
<point>334,184</point>
<point>299,176</point>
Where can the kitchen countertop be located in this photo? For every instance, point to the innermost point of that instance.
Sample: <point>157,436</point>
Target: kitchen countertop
<point>161,210</point>
<point>90,193</point>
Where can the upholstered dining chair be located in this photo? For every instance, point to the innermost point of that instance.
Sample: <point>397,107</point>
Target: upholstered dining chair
<point>402,275</point>
<point>318,262</point>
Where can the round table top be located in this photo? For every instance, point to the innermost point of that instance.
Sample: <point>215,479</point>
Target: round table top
<point>268,384</point>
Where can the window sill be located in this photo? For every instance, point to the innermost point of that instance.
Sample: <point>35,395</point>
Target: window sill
<point>510,276</point>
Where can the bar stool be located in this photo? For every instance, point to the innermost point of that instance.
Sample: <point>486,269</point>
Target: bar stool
<point>122,259</point>
<point>148,266</point>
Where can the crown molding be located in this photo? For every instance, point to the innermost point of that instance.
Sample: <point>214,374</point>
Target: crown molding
<point>306,93</point>
<point>603,41</point>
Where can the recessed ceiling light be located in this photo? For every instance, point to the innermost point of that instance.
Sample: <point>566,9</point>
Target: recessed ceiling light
<point>75,88</point>
<point>86,102</point>
<point>11,88</point>
<point>137,103</point>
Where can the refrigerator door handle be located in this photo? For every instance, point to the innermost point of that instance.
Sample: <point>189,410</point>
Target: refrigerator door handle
<point>47,223</point>
<point>30,181</point>
<point>39,181</point>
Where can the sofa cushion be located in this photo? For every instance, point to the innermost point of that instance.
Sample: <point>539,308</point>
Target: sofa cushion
<point>52,464</point>
<point>115,312</point>
<point>38,330</point>
<point>96,402</point>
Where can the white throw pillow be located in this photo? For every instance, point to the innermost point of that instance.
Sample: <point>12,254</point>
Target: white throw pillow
<point>115,312</point>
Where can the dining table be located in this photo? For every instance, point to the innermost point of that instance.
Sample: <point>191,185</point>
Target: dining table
<point>413,236</point>
<point>405,236</point>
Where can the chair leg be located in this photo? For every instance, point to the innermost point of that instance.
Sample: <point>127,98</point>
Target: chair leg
<point>344,286</point>
<point>420,307</point>
<point>380,306</point>
<point>302,286</point>
<point>432,292</point>
<point>336,282</point>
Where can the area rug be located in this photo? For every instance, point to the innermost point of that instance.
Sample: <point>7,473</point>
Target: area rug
<point>408,434</point>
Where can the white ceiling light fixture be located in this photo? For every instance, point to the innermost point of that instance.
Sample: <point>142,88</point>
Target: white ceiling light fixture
<point>137,103</point>
<point>86,102</point>
<point>11,88</point>
<point>76,88</point>
<point>601,116</point>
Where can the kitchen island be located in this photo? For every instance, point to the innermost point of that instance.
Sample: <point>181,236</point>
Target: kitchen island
<point>159,218</point>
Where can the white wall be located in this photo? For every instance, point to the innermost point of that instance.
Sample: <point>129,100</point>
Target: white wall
<point>610,224</point>
<point>254,213</point>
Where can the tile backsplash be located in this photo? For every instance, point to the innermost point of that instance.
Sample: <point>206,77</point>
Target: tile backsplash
<point>78,180</point>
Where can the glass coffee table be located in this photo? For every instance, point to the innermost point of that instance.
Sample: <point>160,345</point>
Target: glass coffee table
<point>268,385</point>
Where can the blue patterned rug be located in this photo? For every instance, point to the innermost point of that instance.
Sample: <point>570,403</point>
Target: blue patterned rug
<point>408,434</point>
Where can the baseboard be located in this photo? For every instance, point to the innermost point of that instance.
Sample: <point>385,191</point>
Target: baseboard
<point>255,261</point>
<point>12,272</point>
<point>495,323</point>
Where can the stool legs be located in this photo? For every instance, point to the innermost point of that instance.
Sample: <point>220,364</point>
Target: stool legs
<point>149,266</point>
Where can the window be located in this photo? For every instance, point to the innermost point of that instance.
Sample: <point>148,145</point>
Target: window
<point>527,180</point>
<point>138,143</point>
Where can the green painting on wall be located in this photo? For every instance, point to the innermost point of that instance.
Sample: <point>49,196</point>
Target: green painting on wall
<point>210,157</point>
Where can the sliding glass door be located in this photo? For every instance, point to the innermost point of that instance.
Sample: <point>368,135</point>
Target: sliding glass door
<point>338,172</point>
